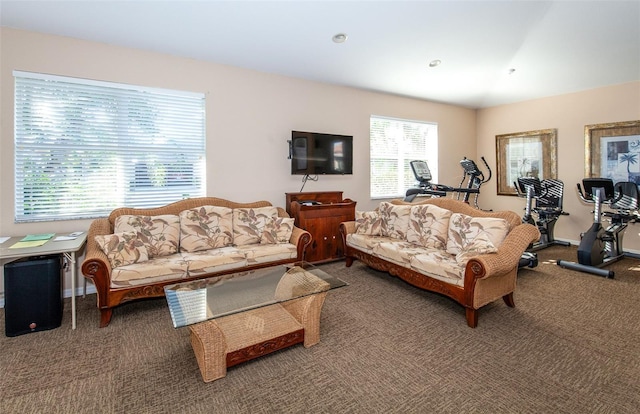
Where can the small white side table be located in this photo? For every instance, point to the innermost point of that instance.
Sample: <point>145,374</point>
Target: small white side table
<point>68,248</point>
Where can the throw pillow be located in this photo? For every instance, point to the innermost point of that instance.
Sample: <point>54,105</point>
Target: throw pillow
<point>428,226</point>
<point>122,248</point>
<point>368,223</point>
<point>248,224</point>
<point>463,229</point>
<point>206,227</point>
<point>395,220</point>
<point>481,244</point>
<point>160,234</point>
<point>277,230</point>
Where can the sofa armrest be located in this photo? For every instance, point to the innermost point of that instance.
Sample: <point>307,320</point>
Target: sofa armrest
<point>508,254</point>
<point>300,238</point>
<point>96,265</point>
<point>347,227</point>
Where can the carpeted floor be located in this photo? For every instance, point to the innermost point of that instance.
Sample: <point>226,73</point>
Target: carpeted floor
<point>571,345</point>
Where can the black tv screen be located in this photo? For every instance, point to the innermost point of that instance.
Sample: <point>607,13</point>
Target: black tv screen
<point>314,153</point>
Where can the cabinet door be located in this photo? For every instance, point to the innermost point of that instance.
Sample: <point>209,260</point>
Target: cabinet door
<point>334,246</point>
<point>316,251</point>
<point>323,222</point>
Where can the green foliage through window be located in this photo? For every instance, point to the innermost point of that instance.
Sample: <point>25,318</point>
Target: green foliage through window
<point>83,148</point>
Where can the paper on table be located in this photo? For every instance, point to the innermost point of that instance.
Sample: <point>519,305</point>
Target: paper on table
<point>35,237</point>
<point>65,238</point>
<point>23,244</point>
<point>4,239</point>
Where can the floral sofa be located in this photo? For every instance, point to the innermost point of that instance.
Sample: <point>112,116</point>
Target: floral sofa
<point>445,246</point>
<point>134,253</point>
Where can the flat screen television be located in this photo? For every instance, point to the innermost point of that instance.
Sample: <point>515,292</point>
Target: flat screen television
<point>314,153</point>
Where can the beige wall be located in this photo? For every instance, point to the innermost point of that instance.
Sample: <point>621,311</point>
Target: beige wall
<point>568,114</point>
<point>250,116</point>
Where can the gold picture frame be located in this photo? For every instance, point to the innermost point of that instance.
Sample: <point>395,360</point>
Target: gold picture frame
<point>612,150</point>
<point>525,154</point>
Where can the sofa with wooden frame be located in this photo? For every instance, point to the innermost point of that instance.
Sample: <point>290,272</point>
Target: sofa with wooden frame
<point>133,253</point>
<point>445,246</point>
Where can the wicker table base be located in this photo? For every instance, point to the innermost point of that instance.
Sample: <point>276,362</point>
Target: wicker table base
<point>230,340</point>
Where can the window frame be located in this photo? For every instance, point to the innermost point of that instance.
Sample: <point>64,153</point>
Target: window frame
<point>78,143</point>
<point>406,179</point>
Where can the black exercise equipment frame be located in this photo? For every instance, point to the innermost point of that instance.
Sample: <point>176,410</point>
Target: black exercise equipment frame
<point>471,174</point>
<point>547,195</point>
<point>600,247</point>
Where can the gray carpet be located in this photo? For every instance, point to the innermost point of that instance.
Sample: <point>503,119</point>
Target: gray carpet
<point>571,345</point>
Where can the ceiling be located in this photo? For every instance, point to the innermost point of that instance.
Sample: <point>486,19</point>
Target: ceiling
<point>554,47</point>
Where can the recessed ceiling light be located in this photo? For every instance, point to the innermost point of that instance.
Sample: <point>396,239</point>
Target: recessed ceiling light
<point>435,63</point>
<point>339,38</point>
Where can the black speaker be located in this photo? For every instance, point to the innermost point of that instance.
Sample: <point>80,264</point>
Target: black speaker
<point>33,297</point>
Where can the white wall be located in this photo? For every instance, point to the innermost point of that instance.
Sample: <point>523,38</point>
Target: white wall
<point>250,116</point>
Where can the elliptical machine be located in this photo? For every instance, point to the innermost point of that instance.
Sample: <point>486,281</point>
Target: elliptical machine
<point>598,246</point>
<point>474,177</point>
<point>547,196</point>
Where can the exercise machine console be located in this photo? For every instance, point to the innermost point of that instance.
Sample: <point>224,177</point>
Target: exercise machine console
<point>474,177</point>
<point>599,246</point>
<point>423,175</point>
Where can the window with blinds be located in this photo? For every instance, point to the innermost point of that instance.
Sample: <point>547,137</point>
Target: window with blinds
<point>83,147</point>
<point>393,144</point>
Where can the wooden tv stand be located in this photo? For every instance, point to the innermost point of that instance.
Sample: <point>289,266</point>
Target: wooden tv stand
<point>322,220</point>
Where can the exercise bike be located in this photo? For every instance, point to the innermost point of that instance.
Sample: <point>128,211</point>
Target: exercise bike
<point>544,199</point>
<point>599,246</point>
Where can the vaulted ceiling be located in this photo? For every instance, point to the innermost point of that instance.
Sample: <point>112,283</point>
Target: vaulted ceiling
<point>490,52</point>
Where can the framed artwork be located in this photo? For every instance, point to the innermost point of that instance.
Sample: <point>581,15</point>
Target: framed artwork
<point>525,154</point>
<point>613,151</point>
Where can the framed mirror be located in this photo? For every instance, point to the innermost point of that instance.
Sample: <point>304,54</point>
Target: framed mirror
<point>525,154</point>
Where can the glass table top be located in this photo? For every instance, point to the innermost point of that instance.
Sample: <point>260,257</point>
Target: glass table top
<point>201,300</point>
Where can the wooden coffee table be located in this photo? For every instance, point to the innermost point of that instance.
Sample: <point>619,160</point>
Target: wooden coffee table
<point>242,316</point>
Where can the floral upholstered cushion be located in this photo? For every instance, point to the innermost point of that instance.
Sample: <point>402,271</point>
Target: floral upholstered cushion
<point>218,260</point>
<point>440,265</point>
<point>264,253</point>
<point>397,251</point>
<point>206,227</point>
<point>160,234</point>
<point>464,229</point>
<point>481,244</point>
<point>277,230</point>
<point>172,267</point>
<point>428,226</point>
<point>122,248</point>
<point>365,242</point>
<point>368,223</point>
<point>395,220</point>
<point>248,224</point>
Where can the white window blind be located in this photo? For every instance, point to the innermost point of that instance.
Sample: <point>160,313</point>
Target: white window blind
<point>394,143</point>
<point>83,148</point>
